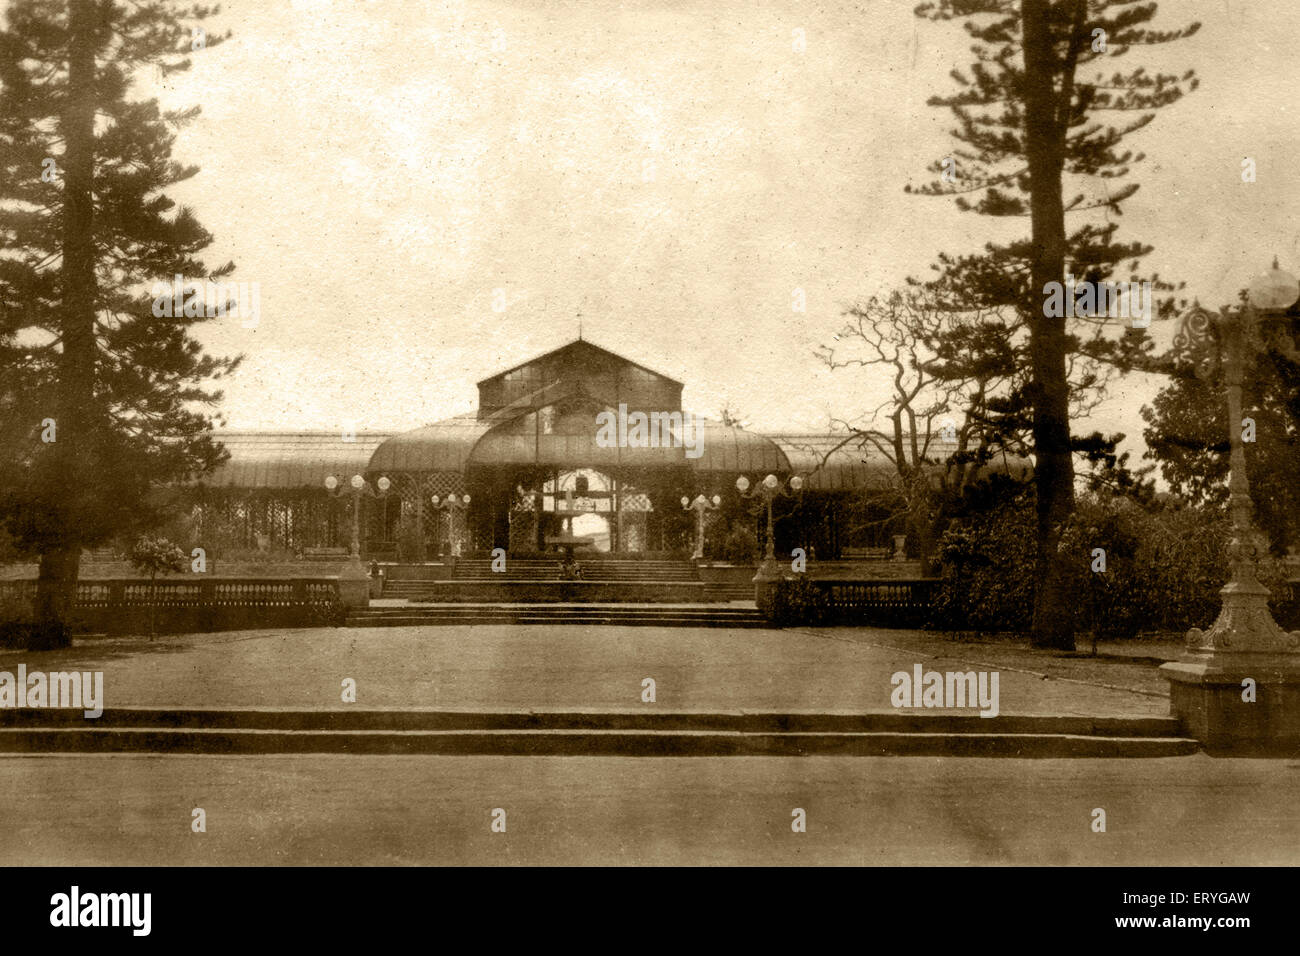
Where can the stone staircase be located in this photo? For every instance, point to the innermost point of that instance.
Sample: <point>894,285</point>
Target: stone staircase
<point>622,615</point>
<point>728,592</point>
<point>646,575</point>
<point>517,569</point>
<point>641,733</point>
<point>615,569</point>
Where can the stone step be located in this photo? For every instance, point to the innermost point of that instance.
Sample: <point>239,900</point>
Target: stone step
<point>520,593</point>
<point>566,613</point>
<point>585,734</point>
<point>612,570</point>
<point>434,619</point>
<point>488,575</point>
<point>616,743</point>
<point>633,574</point>
<point>546,607</point>
<point>362,619</point>
<point>394,587</point>
<point>736,721</point>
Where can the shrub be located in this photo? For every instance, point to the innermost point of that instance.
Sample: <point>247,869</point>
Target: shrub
<point>798,601</point>
<point>1164,568</point>
<point>17,622</point>
<point>739,545</point>
<point>329,612</point>
<point>157,556</point>
<point>987,570</point>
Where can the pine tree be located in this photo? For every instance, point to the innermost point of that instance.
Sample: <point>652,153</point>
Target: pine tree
<point>111,400</point>
<point>1030,126</point>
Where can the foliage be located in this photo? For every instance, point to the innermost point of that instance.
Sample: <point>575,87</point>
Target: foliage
<point>987,565</point>
<point>327,612</point>
<point>17,621</point>
<point>738,545</point>
<point>798,601</point>
<point>1187,435</point>
<point>125,393</point>
<point>1164,567</point>
<point>1034,142</point>
<point>156,556</point>
<point>8,553</point>
<point>940,433</point>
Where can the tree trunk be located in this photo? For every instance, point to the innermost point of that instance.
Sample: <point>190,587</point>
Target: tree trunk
<point>1053,623</point>
<point>56,587</point>
<point>921,533</point>
<point>927,534</point>
<point>56,594</point>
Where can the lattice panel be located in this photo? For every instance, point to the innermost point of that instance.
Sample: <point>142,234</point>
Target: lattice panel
<point>633,532</point>
<point>443,483</point>
<point>252,522</point>
<point>416,492</point>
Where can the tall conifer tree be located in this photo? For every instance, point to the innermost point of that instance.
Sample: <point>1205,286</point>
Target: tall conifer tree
<point>109,400</point>
<point>1032,129</point>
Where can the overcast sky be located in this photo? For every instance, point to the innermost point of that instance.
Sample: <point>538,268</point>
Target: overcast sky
<point>672,171</point>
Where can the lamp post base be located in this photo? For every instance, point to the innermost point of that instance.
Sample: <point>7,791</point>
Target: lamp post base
<point>765,581</point>
<point>1237,689</point>
<point>1249,705</point>
<point>354,584</point>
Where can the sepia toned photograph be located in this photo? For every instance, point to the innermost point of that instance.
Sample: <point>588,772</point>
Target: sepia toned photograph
<point>684,433</point>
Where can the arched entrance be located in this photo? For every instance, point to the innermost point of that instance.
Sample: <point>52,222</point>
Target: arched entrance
<point>585,502</point>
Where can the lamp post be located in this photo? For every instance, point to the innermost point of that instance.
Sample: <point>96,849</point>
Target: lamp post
<point>699,506</point>
<point>453,506</point>
<point>767,491</point>
<point>358,488</point>
<point>354,587</point>
<point>1245,646</point>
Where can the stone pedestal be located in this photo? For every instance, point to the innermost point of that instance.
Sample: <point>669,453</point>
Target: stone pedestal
<point>765,581</point>
<point>1237,688</point>
<point>1219,707</point>
<point>354,585</point>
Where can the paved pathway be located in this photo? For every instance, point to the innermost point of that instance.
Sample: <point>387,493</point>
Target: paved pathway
<point>585,667</point>
<point>124,810</point>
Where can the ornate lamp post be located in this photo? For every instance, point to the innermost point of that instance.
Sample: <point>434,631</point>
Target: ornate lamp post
<point>354,587</point>
<point>1239,683</point>
<point>358,488</point>
<point>453,506</point>
<point>699,506</point>
<point>767,491</point>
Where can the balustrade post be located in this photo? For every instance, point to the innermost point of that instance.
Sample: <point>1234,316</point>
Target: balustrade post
<point>207,610</point>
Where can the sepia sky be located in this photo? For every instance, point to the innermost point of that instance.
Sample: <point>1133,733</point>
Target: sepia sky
<point>670,170</point>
